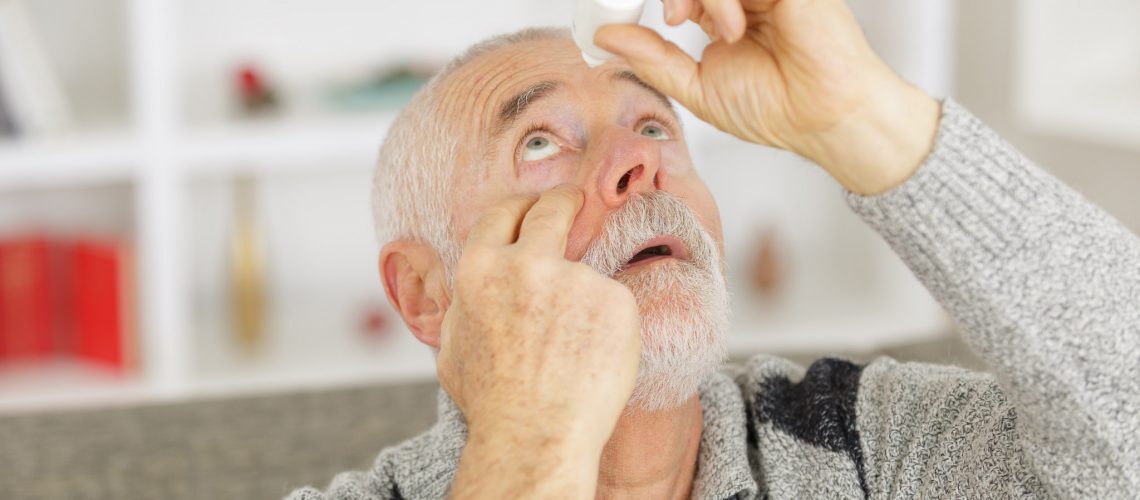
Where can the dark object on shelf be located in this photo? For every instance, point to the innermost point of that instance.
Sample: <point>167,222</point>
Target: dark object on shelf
<point>34,102</point>
<point>767,265</point>
<point>257,97</point>
<point>7,121</point>
<point>388,90</point>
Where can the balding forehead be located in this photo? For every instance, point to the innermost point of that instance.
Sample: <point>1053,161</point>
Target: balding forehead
<point>472,95</point>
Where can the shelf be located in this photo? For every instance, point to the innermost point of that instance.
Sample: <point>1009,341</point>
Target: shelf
<point>62,385</point>
<point>70,385</point>
<point>69,159</point>
<point>290,145</point>
<point>410,365</point>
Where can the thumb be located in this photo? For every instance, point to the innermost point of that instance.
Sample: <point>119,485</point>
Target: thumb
<point>659,62</point>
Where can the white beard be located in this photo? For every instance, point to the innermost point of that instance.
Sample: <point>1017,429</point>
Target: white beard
<point>684,305</point>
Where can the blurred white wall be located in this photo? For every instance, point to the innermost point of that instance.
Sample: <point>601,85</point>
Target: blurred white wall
<point>987,59</point>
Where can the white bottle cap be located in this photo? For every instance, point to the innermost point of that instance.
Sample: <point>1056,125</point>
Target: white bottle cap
<point>589,15</point>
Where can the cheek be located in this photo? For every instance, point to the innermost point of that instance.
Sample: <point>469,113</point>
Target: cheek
<point>542,176</point>
<point>675,160</point>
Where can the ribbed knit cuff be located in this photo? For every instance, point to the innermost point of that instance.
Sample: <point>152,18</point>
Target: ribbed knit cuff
<point>967,205</point>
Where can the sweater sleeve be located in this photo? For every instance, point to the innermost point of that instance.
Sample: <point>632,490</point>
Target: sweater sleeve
<point>1044,286</point>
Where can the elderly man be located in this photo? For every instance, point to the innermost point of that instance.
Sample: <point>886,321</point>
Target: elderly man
<point>548,234</point>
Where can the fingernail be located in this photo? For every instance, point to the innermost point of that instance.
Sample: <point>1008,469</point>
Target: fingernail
<point>668,11</point>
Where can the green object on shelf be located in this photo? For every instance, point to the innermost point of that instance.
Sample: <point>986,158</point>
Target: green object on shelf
<point>391,91</point>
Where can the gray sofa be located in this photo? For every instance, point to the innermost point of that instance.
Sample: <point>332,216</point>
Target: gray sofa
<point>255,448</point>
<point>242,448</point>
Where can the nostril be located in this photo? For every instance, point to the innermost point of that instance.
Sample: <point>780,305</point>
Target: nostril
<point>628,177</point>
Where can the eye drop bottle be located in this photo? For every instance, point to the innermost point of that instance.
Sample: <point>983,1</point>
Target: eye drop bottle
<point>589,15</point>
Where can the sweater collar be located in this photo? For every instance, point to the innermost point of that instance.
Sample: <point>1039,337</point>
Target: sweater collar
<point>723,470</point>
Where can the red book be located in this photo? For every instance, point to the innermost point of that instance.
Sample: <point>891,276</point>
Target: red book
<point>99,321</point>
<point>27,329</point>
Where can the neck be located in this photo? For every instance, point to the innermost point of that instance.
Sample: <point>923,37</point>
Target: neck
<point>652,454</point>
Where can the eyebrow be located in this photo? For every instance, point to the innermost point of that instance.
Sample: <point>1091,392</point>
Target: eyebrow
<point>630,76</point>
<point>514,107</point>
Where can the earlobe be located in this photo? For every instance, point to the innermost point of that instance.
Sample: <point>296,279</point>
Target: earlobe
<point>409,271</point>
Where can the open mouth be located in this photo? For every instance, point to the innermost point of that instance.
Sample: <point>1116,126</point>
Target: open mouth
<point>659,248</point>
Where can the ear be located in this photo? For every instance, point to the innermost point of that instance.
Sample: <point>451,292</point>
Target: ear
<point>412,273</point>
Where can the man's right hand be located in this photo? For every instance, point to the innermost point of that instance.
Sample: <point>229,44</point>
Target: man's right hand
<point>794,74</point>
<point>539,352</point>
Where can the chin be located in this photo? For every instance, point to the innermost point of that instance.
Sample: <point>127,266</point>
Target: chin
<point>684,313</point>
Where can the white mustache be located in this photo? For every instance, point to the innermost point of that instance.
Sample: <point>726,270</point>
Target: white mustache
<point>643,218</point>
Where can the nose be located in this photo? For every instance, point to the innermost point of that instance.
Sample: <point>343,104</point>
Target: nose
<point>630,164</point>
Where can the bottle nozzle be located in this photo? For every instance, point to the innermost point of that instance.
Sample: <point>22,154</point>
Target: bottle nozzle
<point>589,15</point>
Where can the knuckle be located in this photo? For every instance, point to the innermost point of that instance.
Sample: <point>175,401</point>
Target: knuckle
<point>473,266</point>
<point>529,270</point>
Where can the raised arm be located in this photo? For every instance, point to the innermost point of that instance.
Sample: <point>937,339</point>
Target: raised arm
<point>1045,286</point>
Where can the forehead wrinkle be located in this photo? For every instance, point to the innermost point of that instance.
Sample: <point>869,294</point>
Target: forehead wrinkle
<point>470,90</point>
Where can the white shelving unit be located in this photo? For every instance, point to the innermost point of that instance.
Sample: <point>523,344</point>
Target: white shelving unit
<point>172,162</point>
<point>159,154</point>
<point>90,158</point>
<point>1069,80</point>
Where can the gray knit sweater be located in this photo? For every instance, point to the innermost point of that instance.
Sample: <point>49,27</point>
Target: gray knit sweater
<point>1043,285</point>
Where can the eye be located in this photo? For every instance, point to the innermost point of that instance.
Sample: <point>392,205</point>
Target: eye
<point>539,148</point>
<point>655,132</point>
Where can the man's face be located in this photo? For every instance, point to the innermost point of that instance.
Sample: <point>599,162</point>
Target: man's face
<point>533,116</point>
<point>596,128</point>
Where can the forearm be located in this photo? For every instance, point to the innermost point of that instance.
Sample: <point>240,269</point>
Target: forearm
<point>1045,286</point>
<point>497,465</point>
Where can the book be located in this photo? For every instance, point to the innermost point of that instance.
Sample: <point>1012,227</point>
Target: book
<point>26,329</point>
<point>100,333</point>
<point>69,298</point>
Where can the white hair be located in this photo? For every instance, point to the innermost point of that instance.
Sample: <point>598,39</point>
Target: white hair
<point>412,179</point>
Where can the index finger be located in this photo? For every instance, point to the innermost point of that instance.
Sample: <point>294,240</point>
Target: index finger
<point>498,225</point>
<point>728,16</point>
<point>547,223</point>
